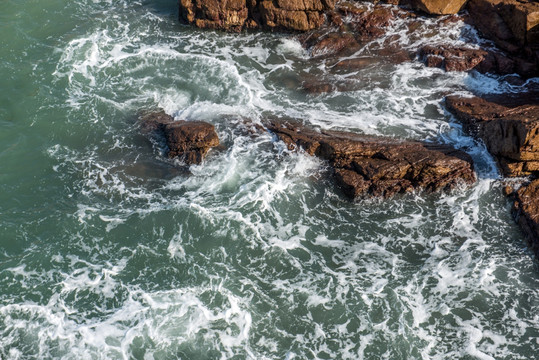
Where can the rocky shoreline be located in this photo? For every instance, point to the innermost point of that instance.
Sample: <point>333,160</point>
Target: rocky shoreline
<point>366,166</point>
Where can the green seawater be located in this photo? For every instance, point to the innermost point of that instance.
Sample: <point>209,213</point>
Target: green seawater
<point>108,250</point>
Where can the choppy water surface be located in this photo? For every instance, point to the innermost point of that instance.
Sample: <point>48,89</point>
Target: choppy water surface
<point>109,251</point>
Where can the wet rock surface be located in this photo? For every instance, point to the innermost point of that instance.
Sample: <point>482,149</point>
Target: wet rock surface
<point>510,132</point>
<point>367,166</point>
<point>526,213</point>
<point>452,58</point>
<point>189,141</point>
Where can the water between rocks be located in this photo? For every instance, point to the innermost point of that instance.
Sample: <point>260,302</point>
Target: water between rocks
<point>110,251</point>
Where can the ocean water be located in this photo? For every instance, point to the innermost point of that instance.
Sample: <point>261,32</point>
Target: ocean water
<point>108,250</point>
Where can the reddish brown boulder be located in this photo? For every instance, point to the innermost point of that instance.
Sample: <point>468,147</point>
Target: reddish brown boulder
<point>189,141</point>
<point>215,14</point>
<point>453,58</point>
<point>510,133</point>
<point>235,15</point>
<point>439,7</point>
<point>380,167</point>
<point>526,213</point>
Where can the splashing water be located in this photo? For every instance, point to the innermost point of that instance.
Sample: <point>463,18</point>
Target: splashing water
<point>110,251</point>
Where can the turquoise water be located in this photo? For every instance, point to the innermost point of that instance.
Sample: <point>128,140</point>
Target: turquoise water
<point>110,251</point>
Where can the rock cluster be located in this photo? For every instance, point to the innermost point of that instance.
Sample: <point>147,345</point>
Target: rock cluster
<point>380,167</point>
<point>189,141</point>
<point>510,133</point>
<point>235,15</point>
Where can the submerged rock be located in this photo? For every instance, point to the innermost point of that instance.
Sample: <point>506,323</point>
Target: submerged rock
<point>380,167</point>
<point>510,133</point>
<point>460,58</point>
<point>526,213</point>
<point>188,141</point>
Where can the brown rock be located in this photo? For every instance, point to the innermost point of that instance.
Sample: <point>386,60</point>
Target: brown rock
<point>234,15</point>
<point>371,24</point>
<point>439,7</point>
<point>334,43</point>
<point>526,213</point>
<point>380,167</point>
<point>453,58</point>
<point>189,141</point>
<point>514,26</point>
<point>510,133</point>
<point>506,20</point>
<point>215,14</point>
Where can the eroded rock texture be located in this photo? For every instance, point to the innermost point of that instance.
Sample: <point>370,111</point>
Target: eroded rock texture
<point>299,15</point>
<point>380,167</point>
<point>514,26</point>
<point>188,141</point>
<point>510,133</point>
<point>526,213</point>
<point>439,7</point>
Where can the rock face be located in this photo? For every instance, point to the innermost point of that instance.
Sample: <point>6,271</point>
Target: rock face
<point>439,7</point>
<point>235,15</point>
<point>526,213</point>
<point>510,133</point>
<point>189,141</point>
<point>380,167</point>
<point>514,26</point>
<point>464,59</point>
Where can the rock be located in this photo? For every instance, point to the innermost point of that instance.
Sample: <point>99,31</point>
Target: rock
<point>510,133</point>
<point>234,15</point>
<point>372,24</point>
<point>334,43</point>
<point>188,141</point>
<point>380,167</point>
<point>514,26</point>
<point>526,213</point>
<point>439,7</point>
<point>453,58</point>
<point>215,14</point>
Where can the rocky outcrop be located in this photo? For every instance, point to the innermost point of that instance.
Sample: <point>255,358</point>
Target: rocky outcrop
<point>380,167</point>
<point>526,213</point>
<point>189,141</point>
<point>510,133</point>
<point>451,58</point>
<point>235,15</point>
<point>439,7</point>
<point>514,26</point>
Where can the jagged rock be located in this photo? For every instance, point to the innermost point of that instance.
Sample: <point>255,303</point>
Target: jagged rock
<point>235,15</point>
<point>526,213</point>
<point>215,14</point>
<point>372,24</point>
<point>380,167</point>
<point>510,133</point>
<point>514,26</point>
<point>189,141</point>
<point>439,7</point>
<point>453,58</point>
